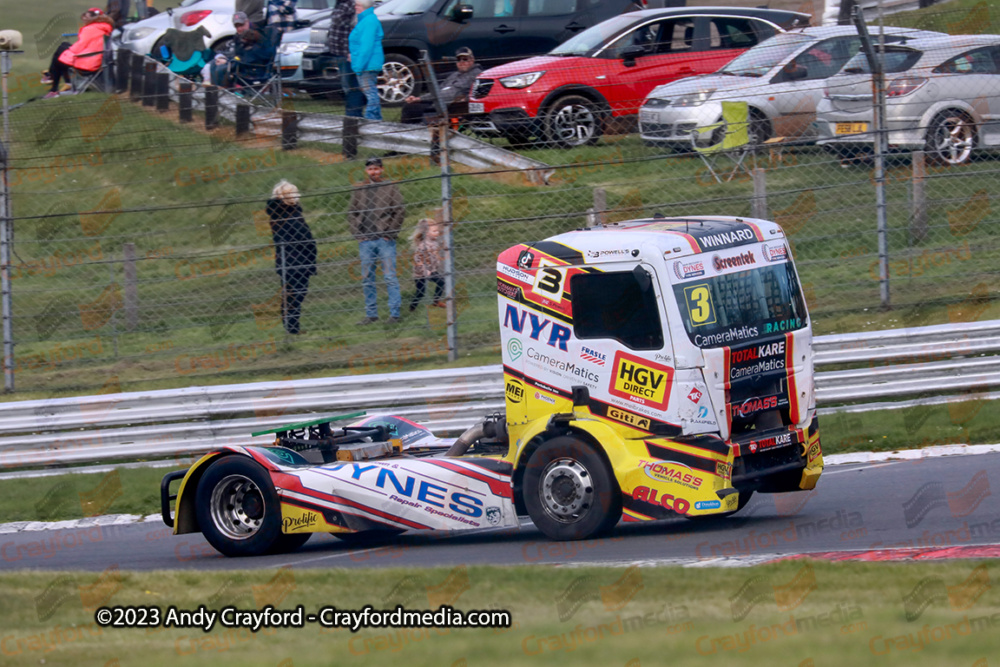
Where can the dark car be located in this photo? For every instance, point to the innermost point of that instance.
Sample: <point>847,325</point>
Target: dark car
<point>498,31</point>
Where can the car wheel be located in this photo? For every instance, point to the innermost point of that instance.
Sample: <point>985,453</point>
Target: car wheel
<point>573,121</point>
<point>224,45</point>
<point>569,492</point>
<point>760,128</point>
<point>951,138</point>
<point>368,537</point>
<point>400,78</point>
<point>740,504</point>
<point>238,509</point>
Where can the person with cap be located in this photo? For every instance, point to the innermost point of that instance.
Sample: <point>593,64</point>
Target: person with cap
<point>250,49</point>
<point>375,217</point>
<point>366,55</point>
<point>455,90</point>
<point>86,54</point>
<point>337,45</point>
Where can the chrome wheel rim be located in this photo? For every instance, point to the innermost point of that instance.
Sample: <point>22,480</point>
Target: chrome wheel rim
<point>574,124</point>
<point>396,82</point>
<point>237,507</point>
<point>566,491</point>
<point>954,139</point>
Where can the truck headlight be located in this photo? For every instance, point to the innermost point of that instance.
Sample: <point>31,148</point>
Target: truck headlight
<point>521,80</point>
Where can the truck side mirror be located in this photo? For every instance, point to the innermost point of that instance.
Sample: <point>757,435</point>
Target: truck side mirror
<point>462,13</point>
<point>642,278</point>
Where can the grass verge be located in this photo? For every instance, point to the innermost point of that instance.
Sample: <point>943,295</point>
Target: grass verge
<point>807,613</point>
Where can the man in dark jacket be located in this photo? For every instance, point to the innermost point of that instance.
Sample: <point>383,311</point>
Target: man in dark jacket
<point>454,91</point>
<point>341,22</point>
<point>375,218</point>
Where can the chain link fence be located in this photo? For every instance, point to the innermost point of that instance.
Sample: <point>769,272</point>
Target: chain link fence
<point>142,255</point>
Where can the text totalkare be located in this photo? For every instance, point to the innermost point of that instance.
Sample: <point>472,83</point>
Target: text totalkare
<point>652,368</point>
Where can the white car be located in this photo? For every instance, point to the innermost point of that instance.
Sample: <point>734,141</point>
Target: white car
<point>781,79</point>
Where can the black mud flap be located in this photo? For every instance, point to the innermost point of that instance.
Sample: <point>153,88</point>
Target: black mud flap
<point>165,496</point>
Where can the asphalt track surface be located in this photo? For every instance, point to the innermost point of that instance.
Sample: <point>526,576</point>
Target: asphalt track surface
<point>931,502</point>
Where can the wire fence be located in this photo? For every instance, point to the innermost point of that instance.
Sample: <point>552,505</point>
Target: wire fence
<point>142,254</point>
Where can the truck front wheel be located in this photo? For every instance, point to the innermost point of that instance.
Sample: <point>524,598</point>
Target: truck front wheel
<point>569,492</point>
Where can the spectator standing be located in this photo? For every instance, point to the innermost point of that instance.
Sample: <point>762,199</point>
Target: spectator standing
<point>367,58</point>
<point>294,251</point>
<point>84,54</point>
<point>375,217</point>
<point>281,14</point>
<point>341,23</point>
<point>254,11</point>
<point>428,261</point>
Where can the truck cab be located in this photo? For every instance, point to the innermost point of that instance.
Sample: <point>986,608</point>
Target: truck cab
<point>673,354</point>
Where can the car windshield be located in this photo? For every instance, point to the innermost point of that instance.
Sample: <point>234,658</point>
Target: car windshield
<point>893,61</point>
<point>403,7</point>
<point>762,58</point>
<point>593,38</point>
<point>741,306</point>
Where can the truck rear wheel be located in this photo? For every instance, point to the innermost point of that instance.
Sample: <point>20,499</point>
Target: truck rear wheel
<point>569,492</point>
<point>238,509</point>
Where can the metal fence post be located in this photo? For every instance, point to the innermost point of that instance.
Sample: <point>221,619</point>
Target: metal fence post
<point>6,232</point>
<point>918,207</point>
<point>758,205</point>
<point>600,206</point>
<point>131,297</point>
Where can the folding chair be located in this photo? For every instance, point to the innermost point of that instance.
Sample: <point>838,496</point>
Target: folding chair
<point>259,83</point>
<point>734,145</point>
<point>101,79</point>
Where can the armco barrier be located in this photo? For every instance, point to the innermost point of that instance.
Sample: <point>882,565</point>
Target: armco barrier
<point>939,360</point>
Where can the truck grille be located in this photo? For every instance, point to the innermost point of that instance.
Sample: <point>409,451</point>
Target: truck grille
<point>482,88</point>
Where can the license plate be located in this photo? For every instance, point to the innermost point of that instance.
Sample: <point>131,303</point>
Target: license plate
<point>851,128</point>
<point>477,107</point>
<point>307,64</point>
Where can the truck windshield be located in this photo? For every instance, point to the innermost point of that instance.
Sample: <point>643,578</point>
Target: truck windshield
<point>741,306</point>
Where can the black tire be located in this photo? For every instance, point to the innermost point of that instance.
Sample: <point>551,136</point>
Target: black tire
<point>740,504</point>
<point>951,138</point>
<point>760,128</point>
<point>400,78</point>
<point>368,537</point>
<point>573,120</point>
<point>288,542</point>
<point>238,509</point>
<point>569,492</point>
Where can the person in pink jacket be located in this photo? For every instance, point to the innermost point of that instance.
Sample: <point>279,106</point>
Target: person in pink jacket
<point>84,55</point>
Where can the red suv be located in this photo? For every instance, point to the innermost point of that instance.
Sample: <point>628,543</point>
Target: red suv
<point>566,97</point>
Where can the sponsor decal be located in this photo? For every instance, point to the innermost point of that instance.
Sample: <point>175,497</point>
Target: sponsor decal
<point>703,412</point>
<point>783,325</point>
<point>725,239</point>
<point>770,443</point>
<point>493,515</point>
<point>773,253</point>
<point>628,418</point>
<point>757,359</point>
<point>304,522</point>
<point>753,405</point>
<point>641,381</point>
<point>514,349</point>
<point>507,290</point>
<point>580,371</point>
<point>737,261</point>
<point>814,451</point>
<point>683,270</point>
<point>646,494</point>
<point>539,396</point>
<point>670,472</point>
<point>521,276</point>
<point>707,505</point>
<point>597,254</point>
<point>732,335</point>
<point>724,470</point>
<point>514,391</point>
<point>515,320</point>
<point>694,395</point>
<point>525,259</point>
<point>405,487</point>
<point>593,356</point>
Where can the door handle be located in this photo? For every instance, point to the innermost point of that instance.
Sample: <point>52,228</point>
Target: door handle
<point>503,28</point>
<point>575,27</point>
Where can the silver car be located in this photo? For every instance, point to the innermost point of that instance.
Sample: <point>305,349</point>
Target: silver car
<point>781,79</point>
<point>942,96</point>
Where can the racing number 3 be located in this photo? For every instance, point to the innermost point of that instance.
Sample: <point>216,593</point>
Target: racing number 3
<point>549,283</point>
<point>699,303</point>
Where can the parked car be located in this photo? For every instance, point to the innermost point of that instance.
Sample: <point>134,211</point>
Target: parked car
<point>498,31</point>
<point>567,96</point>
<point>942,96</point>
<point>781,80</point>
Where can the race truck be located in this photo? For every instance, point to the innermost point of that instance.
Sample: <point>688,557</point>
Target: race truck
<point>652,368</point>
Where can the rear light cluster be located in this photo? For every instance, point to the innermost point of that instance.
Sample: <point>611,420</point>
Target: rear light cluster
<point>904,86</point>
<point>193,18</point>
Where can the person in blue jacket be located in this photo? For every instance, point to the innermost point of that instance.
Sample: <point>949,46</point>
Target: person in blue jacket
<point>365,43</point>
